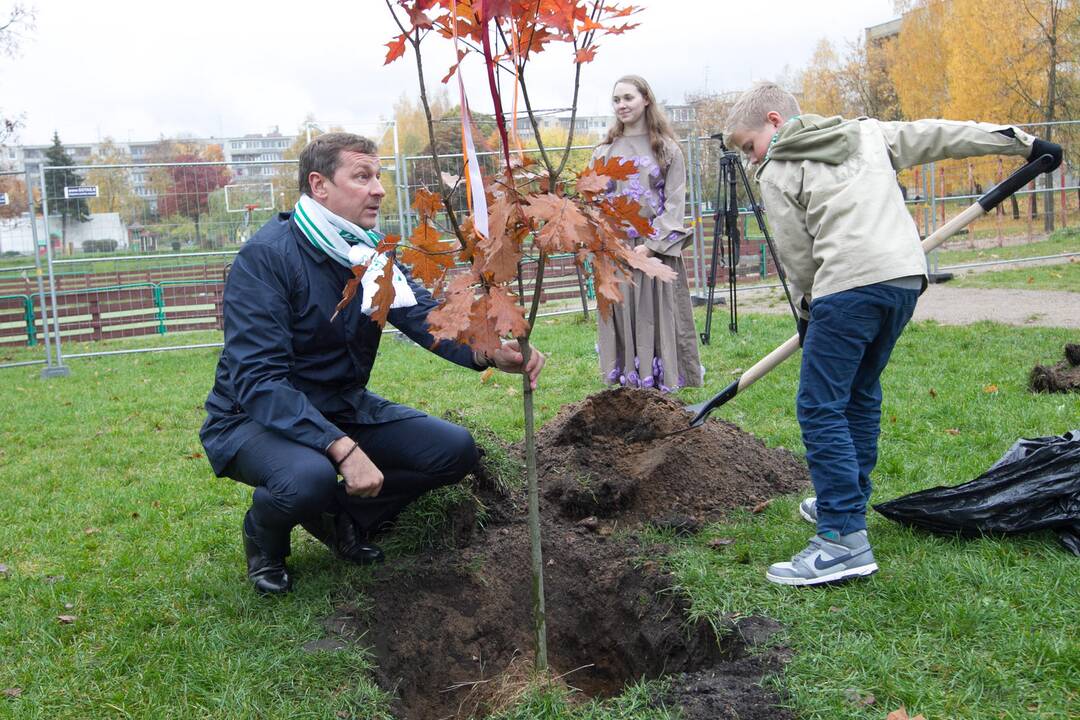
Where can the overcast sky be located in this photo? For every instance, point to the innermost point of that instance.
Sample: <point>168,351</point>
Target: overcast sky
<point>140,69</point>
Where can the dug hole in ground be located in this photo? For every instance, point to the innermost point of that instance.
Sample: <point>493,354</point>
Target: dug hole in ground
<point>451,629</point>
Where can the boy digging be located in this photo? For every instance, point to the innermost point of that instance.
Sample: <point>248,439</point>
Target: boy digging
<point>856,268</point>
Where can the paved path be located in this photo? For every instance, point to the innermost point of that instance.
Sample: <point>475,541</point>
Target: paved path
<point>963,306</point>
<point>951,305</point>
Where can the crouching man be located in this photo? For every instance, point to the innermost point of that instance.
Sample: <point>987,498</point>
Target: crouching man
<point>290,413</point>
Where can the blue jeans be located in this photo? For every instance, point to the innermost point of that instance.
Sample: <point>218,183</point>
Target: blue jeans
<point>847,346</point>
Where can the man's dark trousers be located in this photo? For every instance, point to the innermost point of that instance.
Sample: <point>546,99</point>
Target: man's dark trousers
<point>295,483</point>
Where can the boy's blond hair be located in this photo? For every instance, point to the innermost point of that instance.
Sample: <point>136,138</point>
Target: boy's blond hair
<point>749,111</point>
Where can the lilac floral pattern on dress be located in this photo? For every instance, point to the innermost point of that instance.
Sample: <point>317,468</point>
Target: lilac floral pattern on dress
<point>634,378</point>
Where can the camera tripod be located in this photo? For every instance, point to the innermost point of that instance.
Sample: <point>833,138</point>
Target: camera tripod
<point>727,224</point>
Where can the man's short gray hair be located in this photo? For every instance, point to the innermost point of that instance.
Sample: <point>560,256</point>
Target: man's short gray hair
<point>323,155</point>
<point>749,111</point>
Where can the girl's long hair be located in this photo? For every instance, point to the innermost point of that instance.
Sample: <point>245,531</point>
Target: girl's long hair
<point>655,120</point>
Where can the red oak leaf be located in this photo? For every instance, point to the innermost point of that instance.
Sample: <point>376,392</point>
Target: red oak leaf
<point>417,16</point>
<point>397,48</point>
<point>651,266</point>
<point>453,68</point>
<point>428,255</point>
<point>563,222</point>
<point>614,167</point>
<point>350,289</point>
<point>389,243</point>
<point>481,334</point>
<point>628,211</point>
<point>508,314</point>
<point>500,251</point>
<point>589,183</point>
<point>384,294</point>
<point>450,320</point>
<point>585,55</point>
<point>427,203</point>
<point>606,281</point>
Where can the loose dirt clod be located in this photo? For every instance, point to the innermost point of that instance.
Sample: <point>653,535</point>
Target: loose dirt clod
<point>447,626</point>
<point>1059,378</point>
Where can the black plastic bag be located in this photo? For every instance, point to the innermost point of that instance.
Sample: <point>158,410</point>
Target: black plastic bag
<point>1034,486</point>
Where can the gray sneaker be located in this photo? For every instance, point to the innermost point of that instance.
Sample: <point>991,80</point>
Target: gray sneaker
<point>827,560</point>
<point>808,510</point>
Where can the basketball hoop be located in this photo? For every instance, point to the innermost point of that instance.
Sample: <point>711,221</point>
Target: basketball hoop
<point>247,213</point>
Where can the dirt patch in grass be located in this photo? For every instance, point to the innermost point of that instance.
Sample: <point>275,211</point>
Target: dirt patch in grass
<point>1062,377</point>
<point>451,629</point>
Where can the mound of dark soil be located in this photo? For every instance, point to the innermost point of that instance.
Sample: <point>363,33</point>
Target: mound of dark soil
<point>1060,378</point>
<point>599,458</point>
<point>448,628</point>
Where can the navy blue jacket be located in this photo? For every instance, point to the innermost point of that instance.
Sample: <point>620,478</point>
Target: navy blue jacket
<point>285,367</point>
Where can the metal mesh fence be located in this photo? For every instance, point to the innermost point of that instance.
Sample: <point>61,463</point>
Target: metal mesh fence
<point>137,254</point>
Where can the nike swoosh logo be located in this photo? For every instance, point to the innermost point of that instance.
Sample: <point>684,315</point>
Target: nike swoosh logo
<point>819,564</point>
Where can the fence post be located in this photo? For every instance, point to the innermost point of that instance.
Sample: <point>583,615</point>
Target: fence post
<point>402,198</point>
<point>37,272</point>
<point>159,303</point>
<point>95,316</point>
<point>28,314</point>
<point>1031,210</point>
<point>57,370</point>
<point>1064,203</point>
<point>1000,212</point>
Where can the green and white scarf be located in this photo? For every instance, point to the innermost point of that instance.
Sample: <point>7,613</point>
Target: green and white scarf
<point>349,244</point>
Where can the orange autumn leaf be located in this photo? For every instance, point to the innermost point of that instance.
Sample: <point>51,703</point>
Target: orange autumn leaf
<point>990,389</point>
<point>481,334</point>
<point>614,167</point>
<point>563,223</point>
<point>417,17</point>
<point>349,292</point>
<point>427,203</point>
<point>450,320</point>
<point>589,183</point>
<point>585,55</point>
<point>396,48</point>
<point>501,250</point>
<point>606,282</point>
<point>507,313</point>
<point>384,294</point>
<point>620,29</point>
<point>628,212</point>
<point>389,243</point>
<point>651,266</point>
<point>453,68</point>
<point>901,714</point>
<point>427,255</point>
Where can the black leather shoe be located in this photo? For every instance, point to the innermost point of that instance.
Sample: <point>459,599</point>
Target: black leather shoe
<point>269,575</point>
<point>339,533</point>
<point>353,545</point>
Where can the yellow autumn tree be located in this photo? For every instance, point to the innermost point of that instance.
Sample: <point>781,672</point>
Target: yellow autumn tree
<point>115,191</point>
<point>1014,62</point>
<point>822,89</point>
<point>917,61</point>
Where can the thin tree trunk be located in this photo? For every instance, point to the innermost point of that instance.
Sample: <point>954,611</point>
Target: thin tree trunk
<point>539,614</point>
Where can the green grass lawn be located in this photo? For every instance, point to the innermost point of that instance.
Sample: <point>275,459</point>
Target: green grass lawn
<point>1064,276</point>
<point>110,514</point>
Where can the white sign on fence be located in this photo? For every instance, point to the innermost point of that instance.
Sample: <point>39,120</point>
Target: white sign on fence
<point>3,199</point>
<point>72,192</point>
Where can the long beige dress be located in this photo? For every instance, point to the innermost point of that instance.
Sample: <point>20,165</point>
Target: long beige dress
<point>650,340</point>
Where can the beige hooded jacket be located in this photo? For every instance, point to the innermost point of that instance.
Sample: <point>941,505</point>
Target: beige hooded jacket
<point>833,203</point>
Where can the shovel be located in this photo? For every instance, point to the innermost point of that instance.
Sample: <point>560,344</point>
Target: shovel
<point>987,202</point>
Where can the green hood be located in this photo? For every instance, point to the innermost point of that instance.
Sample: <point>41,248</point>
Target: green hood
<point>812,137</point>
